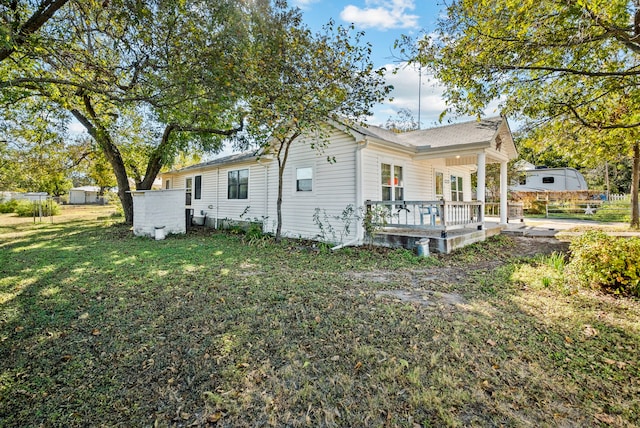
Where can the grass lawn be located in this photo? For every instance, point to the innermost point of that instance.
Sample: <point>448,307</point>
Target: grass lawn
<point>100,328</point>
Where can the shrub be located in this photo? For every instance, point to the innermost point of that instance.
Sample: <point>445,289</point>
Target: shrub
<point>26,208</point>
<point>608,263</point>
<point>8,206</point>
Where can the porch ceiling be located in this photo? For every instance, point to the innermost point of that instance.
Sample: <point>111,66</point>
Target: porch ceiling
<point>472,159</point>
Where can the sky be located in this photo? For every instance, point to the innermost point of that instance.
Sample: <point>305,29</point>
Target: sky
<point>384,21</point>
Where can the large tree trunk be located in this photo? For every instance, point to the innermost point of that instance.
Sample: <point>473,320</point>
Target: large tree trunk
<point>101,136</point>
<point>635,183</point>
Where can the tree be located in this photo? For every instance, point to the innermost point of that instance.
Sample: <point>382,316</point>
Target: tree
<point>403,122</point>
<point>166,74</point>
<point>19,20</point>
<point>305,80</point>
<point>36,156</point>
<point>569,66</point>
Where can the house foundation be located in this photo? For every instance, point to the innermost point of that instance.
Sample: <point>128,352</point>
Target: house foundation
<point>404,238</point>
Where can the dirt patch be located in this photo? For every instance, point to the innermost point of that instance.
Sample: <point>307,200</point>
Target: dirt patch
<point>429,298</point>
<point>528,247</point>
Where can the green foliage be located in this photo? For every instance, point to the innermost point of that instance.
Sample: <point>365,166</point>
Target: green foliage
<point>8,206</point>
<point>300,80</point>
<point>558,66</point>
<point>374,220</point>
<point>335,234</point>
<point>608,263</point>
<point>25,208</point>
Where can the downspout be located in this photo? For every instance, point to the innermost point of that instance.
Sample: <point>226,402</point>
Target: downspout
<point>217,198</point>
<point>361,145</point>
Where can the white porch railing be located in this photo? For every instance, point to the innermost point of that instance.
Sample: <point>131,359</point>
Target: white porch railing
<point>428,215</point>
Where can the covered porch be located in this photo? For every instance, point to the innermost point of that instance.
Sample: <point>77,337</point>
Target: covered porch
<point>446,225</point>
<point>450,222</point>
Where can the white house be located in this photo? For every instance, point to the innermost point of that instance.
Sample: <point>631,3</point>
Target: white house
<point>419,180</point>
<point>85,195</point>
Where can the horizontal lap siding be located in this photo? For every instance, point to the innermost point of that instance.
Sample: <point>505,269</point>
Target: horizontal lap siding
<point>214,200</point>
<point>418,175</point>
<point>334,188</point>
<point>234,208</point>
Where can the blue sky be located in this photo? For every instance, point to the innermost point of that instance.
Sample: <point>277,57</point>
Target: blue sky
<point>383,22</point>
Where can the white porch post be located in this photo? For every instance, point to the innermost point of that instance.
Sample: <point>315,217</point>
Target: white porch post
<point>482,173</point>
<point>503,193</point>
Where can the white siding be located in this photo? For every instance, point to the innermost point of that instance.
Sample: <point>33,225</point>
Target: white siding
<point>419,176</point>
<point>334,186</point>
<point>214,202</point>
<point>334,189</point>
<point>158,208</point>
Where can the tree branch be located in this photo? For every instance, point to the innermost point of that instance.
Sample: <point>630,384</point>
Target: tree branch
<point>44,12</point>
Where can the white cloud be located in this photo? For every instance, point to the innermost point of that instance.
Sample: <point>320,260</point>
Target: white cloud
<point>381,14</point>
<point>303,4</point>
<point>406,84</point>
<point>405,96</point>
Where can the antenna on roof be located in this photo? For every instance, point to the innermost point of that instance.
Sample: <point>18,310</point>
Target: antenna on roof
<point>419,94</point>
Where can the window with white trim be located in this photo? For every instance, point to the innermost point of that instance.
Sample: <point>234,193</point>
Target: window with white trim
<point>188,185</point>
<point>304,179</point>
<point>238,184</point>
<point>392,184</point>
<point>456,188</point>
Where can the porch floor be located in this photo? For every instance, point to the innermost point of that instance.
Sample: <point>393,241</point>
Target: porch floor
<point>409,237</point>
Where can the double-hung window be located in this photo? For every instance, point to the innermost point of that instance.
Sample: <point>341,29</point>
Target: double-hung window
<point>238,184</point>
<point>304,179</point>
<point>392,182</point>
<point>456,188</point>
<point>188,185</point>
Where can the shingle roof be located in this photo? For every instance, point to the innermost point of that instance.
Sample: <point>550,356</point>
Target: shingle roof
<point>238,157</point>
<point>459,133</point>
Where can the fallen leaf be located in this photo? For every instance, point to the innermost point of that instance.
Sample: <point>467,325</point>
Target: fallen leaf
<point>568,339</point>
<point>491,342</point>
<point>95,332</point>
<point>335,358</point>
<point>358,365</point>
<point>19,328</point>
<point>607,419</point>
<point>589,331</point>
<point>214,417</point>
<point>185,415</point>
<point>84,316</point>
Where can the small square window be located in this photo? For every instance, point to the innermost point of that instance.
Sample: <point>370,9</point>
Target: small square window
<point>304,179</point>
